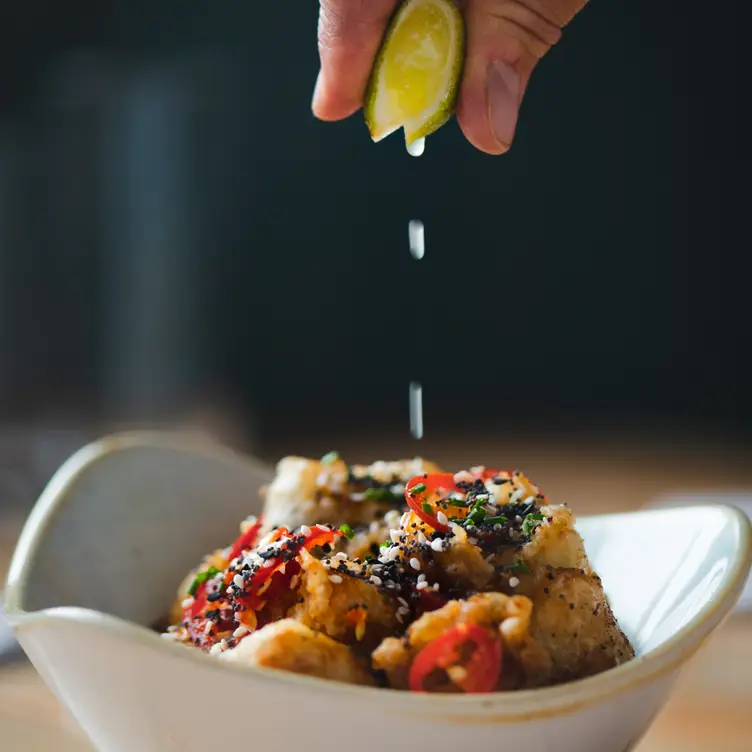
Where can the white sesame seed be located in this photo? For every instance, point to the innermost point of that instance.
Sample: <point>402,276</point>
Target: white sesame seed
<point>402,600</point>
<point>421,577</point>
<point>399,617</point>
<point>240,632</point>
<point>269,563</point>
<point>513,582</point>
<point>305,530</point>
<point>335,578</point>
<point>472,541</point>
<point>530,500</point>
<point>238,581</point>
<point>403,610</point>
<point>422,539</point>
<point>414,563</point>
<point>435,586</point>
<point>215,649</point>
<point>437,545</point>
<point>294,581</point>
<point>342,556</point>
<point>326,563</point>
<point>517,495</point>
<point>442,518</point>
<point>463,476</point>
<point>188,602</point>
<point>394,535</point>
<point>172,628</point>
<point>169,635</point>
<point>323,528</point>
<point>208,627</point>
<point>421,585</point>
<point>224,644</point>
<point>497,526</point>
<point>375,580</point>
<point>404,519</point>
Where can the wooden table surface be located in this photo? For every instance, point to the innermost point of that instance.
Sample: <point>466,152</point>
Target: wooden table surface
<point>712,706</point>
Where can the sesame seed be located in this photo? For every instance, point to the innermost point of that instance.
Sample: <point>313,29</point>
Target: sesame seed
<point>305,530</point>
<point>472,541</point>
<point>513,582</point>
<point>238,581</point>
<point>463,476</point>
<point>187,603</point>
<point>323,528</point>
<point>294,581</point>
<point>394,535</point>
<point>517,495</point>
<point>399,617</point>
<point>269,563</point>
<point>240,632</point>
<point>437,545</point>
<point>224,644</point>
<point>375,580</point>
<point>442,518</point>
<point>414,563</point>
<point>335,578</point>
<point>435,586</point>
<point>215,649</point>
<point>169,636</point>
<point>208,627</point>
<point>421,577</point>
<point>402,600</point>
<point>421,585</point>
<point>326,563</point>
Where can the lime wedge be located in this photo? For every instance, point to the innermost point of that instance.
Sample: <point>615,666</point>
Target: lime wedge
<point>415,78</point>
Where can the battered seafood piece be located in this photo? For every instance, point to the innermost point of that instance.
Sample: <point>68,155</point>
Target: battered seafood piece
<point>469,582</point>
<point>291,646</point>
<point>306,491</point>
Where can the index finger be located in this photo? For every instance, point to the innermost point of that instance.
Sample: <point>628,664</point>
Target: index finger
<point>350,32</point>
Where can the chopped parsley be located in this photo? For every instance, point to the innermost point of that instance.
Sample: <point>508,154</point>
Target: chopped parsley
<point>427,508</point>
<point>202,577</point>
<point>329,458</point>
<point>419,488</point>
<point>520,565</point>
<point>499,519</point>
<point>347,531</point>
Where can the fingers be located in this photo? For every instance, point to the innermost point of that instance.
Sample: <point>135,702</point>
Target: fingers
<point>350,32</point>
<point>506,38</point>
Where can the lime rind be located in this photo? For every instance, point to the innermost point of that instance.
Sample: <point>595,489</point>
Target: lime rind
<point>441,110</point>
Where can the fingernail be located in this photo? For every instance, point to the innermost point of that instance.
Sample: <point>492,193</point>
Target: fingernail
<point>317,90</point>
<point>504,87</point>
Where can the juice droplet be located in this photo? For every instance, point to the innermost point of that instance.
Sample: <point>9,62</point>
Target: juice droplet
<point>417,233</point>
<point>416,410</point>
<point>417,147</point>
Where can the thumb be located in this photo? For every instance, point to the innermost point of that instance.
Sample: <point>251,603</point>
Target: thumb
<point>350,32</point>
<point>506,38</point>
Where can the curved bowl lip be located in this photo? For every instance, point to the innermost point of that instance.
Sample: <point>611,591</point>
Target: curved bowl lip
<point>515,706</point>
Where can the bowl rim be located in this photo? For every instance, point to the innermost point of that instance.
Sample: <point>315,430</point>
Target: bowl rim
<point>517,706</point>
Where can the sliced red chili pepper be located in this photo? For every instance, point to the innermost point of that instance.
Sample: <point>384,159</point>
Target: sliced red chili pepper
<point>428,600</point>
<point>246,540</point>
<point>481,670</point>
<point>428,485</point>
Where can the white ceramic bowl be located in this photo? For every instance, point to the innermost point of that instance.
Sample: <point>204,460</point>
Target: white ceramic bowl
<point>125,518</point>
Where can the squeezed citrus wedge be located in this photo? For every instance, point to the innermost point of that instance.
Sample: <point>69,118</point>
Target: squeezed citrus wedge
<point>415,78</point>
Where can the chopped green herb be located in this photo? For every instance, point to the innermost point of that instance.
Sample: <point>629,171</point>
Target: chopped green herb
<point>457,503</point>
<point>385,544</point>
<point>379,494</point>
<point>347,531</point>
<point>427,508</point>
<point>476,516</point>
<point>524,568</point>
<point>531,522</point>
<point>329,458</point>
<point>419,488</point>
<point>496,520</point>
<point>200,578</point>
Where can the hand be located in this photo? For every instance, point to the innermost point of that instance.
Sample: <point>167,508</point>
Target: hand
<point>505,40</point>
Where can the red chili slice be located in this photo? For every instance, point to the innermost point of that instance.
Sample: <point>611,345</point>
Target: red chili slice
<point>246,540</point>
<point>482,668</point>
<point>433,483</point>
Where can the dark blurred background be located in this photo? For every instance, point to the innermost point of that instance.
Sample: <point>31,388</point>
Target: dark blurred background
<point>179,236</point>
